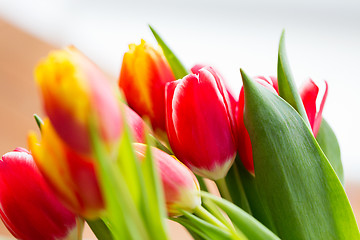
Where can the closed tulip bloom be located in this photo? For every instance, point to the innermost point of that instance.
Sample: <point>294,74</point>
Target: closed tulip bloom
<point>181,188</point>
<point>143,76</point>
<point>313,102</point>
<point>74,90</point>
<point>200,123</point>
<point>29,209</point>
<point>69,173</point>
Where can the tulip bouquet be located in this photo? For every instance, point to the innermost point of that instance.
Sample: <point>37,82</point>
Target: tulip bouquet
<point>126,158</point>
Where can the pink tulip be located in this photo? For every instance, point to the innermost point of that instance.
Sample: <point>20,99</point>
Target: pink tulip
<point>28,208</point>
<point>180,185</point>
<point>200,123</point>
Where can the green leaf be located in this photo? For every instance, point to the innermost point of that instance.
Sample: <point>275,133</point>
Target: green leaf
<point>329,144</point>
<point>39,121</point>
<point>154,204</point>
<point>121,210</point>
<point>248,225</point>
<point>300,189</point>
<point>176,66</point>
<point>129,166</point>
<point>100,229</point>
<point>287,86</point>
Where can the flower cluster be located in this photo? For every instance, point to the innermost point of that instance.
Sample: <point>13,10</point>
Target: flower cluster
<point>98,159</point>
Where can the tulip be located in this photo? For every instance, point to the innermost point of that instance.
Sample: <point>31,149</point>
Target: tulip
<point>200,123</point>
<point>29,209</point>
<point>181,188</point>
<point>233,102</point>
<point>143,76</point>
<point>309,95</point>
<point>75,91</point>
<point>70,174</point>
<point>313,103</point>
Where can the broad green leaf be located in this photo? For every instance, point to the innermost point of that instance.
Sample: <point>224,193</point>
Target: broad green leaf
<point>176,66</point>
<point>329,144</point>
<point>286,83</point>
<point>248,225</point>
<point>100,229</point>
<point>153,195</point>
<point>300,188</point>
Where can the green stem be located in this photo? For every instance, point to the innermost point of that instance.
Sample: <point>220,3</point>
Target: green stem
<point>223,189</point>
<point>207,216</point>
<point>236,188</point>
<point>214,210</point>
<point>201,212</point>
<point>202,183</point>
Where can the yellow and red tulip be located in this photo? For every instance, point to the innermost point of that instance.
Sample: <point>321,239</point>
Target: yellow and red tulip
<point>74,90</point>
<point>181,188</point>
<point>310,97</point>
<point>69,173</point>
<point>29,209</point>
<point>200,123</point>
<point>143,76</point>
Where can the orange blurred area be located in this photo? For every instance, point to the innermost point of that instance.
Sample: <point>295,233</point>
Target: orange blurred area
<point>19,100</point>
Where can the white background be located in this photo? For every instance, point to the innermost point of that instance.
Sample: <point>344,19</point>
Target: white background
<point>322,38</point>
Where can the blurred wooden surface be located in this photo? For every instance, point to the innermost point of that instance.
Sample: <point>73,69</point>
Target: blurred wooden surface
<point>19,53</point>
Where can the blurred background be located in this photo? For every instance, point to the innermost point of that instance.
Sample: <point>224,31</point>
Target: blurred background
<point>322,38</point>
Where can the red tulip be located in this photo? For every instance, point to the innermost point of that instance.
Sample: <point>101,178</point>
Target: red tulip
<point>28,208</point>
<point>180,185</point>
<point>233,102</point>
<point>143,76</point>
<point>309,94</point>
<point>200,123</point>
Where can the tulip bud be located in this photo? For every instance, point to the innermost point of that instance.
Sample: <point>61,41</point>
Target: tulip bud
<point>143,76</point>
<point>181,188</point>
<point>28,208</point>
<point>69,173</point>
<point>200,123</point>
<point>74,90</point>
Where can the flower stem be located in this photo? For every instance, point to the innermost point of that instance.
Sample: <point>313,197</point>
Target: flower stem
<point>223,189</point>
<point>201,212</point>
